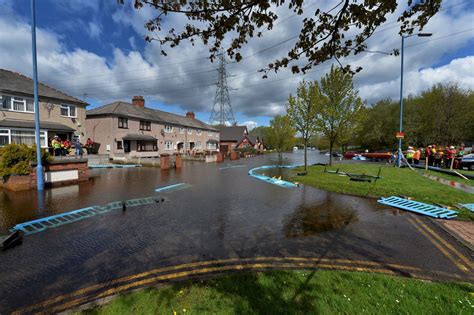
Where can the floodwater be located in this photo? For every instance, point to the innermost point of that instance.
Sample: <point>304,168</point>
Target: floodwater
<point>108,185</point>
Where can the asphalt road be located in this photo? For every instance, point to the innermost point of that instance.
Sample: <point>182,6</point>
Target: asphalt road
<point>226,221</point>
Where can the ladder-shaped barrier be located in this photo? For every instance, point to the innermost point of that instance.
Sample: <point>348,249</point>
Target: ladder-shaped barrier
<point>53,221</point>
<point>418,207</point>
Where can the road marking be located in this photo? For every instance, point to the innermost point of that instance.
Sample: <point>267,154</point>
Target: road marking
<point>59,298</point>
<point>442,250</point>
<point>182,274</point>
<point>443,241</point>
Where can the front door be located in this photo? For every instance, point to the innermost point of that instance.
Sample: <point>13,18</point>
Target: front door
<point>126,146</point>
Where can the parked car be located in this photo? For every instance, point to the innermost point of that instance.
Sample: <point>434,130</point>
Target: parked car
<point>468,161</point>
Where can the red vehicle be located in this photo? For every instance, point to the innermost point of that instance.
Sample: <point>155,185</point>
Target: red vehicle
<point>373,155</point>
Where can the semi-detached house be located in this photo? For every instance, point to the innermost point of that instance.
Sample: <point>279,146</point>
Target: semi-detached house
<point>123,129</point>
<point>60,114</point>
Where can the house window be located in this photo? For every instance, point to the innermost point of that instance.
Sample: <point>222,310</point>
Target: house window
<point>4,137</point>
<point>181,130</point>
<point>145,125</point>
<point>190,131</point>
<point>198,132</point>
<point>168,145</point>
<point>123,123</point>
<point>17,104</point>
<point>146,146</point>
<point>168,128</point>
<point>198,145</point>
<point>21,136</point>
<point>119,145</point>
<point>68,111</point>
<point>211,145</point>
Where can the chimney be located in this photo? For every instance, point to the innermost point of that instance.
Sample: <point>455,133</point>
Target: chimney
<point>190,115</point>
<point>138,101</point>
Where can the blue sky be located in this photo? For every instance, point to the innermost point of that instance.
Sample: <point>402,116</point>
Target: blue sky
<point>96,49</point>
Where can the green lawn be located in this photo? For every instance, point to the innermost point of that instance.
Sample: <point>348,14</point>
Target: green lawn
<point>297,292</point>
<point>395,182</point>
<point>451,177</point>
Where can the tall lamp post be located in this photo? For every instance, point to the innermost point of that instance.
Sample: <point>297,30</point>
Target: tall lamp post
<point>399,160</point>
<point>39,164</point>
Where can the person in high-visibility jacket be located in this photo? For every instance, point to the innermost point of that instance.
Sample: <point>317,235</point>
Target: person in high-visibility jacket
<point>416,156</point>
<point>410,154</point>
<point>56,144</point>
<point>433,153</point>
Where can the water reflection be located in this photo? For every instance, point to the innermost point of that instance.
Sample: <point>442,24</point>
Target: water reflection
<point>312,219</point>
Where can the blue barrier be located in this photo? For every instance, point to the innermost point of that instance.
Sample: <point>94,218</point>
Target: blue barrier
<point>418,207</point>
<point>56,220</point>
<point>274,181</point>
<point>230,166</point>
<point>174,187</point>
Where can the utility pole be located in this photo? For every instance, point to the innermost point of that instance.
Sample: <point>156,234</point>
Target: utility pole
<point>39,164</point>
<point>221,112</point>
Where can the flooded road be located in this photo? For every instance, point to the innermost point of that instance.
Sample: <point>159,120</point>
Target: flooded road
<point>224,215</point>
<point>108,185</point>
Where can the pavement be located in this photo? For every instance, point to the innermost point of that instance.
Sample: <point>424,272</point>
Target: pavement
<point>226,221</point>
<point>462,230</point>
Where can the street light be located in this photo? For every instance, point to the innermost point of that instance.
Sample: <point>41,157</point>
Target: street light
<point>401,94</point>
<point>39,164</point>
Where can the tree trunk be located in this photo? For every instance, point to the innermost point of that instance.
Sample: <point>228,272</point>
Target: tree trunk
<point>330,152</point>
<point>305,154</point>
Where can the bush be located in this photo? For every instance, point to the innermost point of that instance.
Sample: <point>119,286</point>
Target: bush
<point>248,150</point>
<point>15,159</point>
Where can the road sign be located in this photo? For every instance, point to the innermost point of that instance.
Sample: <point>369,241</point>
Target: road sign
<point>400,135</point>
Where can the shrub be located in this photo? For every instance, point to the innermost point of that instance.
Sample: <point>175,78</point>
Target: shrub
<point>15,159</point>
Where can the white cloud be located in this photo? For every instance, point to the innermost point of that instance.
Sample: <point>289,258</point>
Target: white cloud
<point>187,79</point>
<point>94,30</point>
<point>250,124</point>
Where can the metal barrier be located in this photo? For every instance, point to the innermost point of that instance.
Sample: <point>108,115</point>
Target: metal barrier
<point>53,221</point>
<point>113,165</point>
<point>419,207</point>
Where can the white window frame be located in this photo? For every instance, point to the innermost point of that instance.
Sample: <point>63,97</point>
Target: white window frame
<point>181,130</point>
<point>168,145</point>
<point>43,135</point>
<point>168,128</point>
<point>68,107</point>
<point>198,145</point>
<point>190,131</point>
<point>211,146</point>
<point>17,99</point>
<point>198,132</point>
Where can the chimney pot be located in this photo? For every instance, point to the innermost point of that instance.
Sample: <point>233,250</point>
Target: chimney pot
<point>190,115</point>
<point>138,100</point>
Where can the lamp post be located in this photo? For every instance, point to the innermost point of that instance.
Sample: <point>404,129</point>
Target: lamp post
<point>399,160</point>
<point>39,164</point>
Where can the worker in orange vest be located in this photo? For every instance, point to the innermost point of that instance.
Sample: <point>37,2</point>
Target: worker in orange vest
<point>416,156</point>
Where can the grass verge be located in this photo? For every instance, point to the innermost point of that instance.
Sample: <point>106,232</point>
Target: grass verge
<point>297,292</point>
<point>394,182</point>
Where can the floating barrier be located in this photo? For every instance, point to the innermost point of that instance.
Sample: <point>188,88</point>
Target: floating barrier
<point>230,166</point>
<point>113,165</point>
<point>468,206</point>
<point>35,226</point>
<point>274,181</point>
<point>419,207</point>
<point>172,188</point>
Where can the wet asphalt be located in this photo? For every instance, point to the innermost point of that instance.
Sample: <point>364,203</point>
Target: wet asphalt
<point>224,214</point>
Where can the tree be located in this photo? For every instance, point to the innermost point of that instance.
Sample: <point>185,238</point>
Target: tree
<point>281,135</point>
<point>327,33</point>
<point>302,111</point>
<point>340,106</point>
<point>260,132</point>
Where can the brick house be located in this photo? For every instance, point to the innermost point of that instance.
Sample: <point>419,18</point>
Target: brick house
<point>232,137</point>
<point>60,114</point>
<point>122,129</point>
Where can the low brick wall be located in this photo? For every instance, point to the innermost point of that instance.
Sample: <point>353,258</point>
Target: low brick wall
<point>26,182</point>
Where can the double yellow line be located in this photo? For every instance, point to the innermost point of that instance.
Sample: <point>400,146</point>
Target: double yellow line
<point>461,261</point>
<point>98,291</point>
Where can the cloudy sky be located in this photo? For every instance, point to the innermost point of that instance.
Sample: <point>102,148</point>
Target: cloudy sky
<point>95,50</point>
